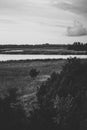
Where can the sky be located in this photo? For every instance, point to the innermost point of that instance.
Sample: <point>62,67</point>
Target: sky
<point>43,21</point>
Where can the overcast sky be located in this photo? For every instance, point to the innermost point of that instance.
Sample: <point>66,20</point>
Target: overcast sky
<point>43,21</point>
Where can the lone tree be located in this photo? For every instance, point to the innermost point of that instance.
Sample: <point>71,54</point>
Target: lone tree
<point>33,73</point>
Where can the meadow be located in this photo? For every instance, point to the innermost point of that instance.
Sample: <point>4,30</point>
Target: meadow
<point>15,74</point>
<point>54,99</point>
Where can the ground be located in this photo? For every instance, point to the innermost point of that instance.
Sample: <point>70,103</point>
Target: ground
<point>16,74</point>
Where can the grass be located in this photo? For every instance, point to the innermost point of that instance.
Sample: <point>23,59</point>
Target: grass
<point>16,74</point>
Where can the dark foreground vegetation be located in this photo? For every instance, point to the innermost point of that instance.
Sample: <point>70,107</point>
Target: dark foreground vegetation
<point>61,102</point>
<point>76,48</point>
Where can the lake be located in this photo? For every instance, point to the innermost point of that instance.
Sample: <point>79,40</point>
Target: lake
<point>7,57</point>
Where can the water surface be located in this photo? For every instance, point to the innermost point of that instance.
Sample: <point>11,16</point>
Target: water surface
<point>6,57</point>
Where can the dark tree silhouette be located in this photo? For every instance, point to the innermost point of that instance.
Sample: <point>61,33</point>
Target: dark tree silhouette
<point>33,73</point>
<point>77,46</point>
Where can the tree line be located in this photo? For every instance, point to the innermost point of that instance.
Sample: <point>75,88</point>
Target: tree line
<point>78,46</point>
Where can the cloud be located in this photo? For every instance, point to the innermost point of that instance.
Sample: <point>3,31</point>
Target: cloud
<point>23,10</point>
<point>75,6</point>
<point>20,4</point>
<point>10,4</point>
<point>26,8</point>
<point>77,30</point>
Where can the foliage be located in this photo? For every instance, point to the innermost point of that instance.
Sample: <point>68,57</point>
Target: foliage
<point>78,46</point>
<point>62,102</point>
<point>63,99</point>
<point>33,73</point>
<point>12,115</point>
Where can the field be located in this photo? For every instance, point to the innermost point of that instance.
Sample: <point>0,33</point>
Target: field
<point>64,93</point>
<point>16,74</point>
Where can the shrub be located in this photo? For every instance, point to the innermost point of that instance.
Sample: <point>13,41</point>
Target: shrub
<point>12,114</point>
<point>62,99</point>
<point>33,73</point>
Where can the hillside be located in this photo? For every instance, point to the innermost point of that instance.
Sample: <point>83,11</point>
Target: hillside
<point>54,100</point>
<point>63,98</point>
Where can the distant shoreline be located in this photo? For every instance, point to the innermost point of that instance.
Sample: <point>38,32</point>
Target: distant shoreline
<point>44,49</point>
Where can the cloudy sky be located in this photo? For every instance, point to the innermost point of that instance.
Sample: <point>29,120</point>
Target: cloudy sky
<point>43,21</point>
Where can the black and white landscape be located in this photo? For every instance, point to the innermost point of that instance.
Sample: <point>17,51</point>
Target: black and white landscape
<point>43,64</point>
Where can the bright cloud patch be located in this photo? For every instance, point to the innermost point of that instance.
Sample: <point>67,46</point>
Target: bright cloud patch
<point>77,30</point>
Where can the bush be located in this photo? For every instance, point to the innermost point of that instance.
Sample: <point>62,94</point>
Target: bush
<point>12,114</point>
<point>33,73</point>
<point>62,99</point>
